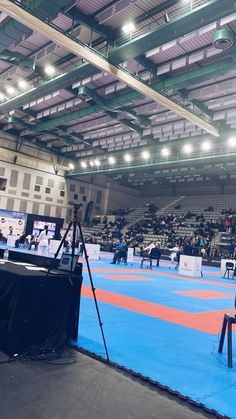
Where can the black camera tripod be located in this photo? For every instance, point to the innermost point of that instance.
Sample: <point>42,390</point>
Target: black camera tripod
<point>74,224</point>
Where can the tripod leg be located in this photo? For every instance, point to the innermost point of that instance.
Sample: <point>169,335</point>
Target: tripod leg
<point>93,290</point>
<point>74,224</point>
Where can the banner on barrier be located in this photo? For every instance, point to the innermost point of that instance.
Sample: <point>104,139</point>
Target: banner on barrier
<point>190,265</point>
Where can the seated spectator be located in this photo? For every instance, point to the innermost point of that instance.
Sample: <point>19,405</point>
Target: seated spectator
<point>120,252</point>
<point>3,239</point>
<point>91,240</point>
<point>34,242</point>
<point>21,240</point>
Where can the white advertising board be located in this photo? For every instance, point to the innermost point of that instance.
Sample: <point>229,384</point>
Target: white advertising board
<point>53,246</point>
<point>190,265</point>
<point>93,250</point>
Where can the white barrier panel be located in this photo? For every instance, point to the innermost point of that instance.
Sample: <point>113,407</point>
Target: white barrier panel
<point>93,250</point>
<point>11,240</point>
<point>223,267</point>
<point>190,265</point>
<point>130,254</point>
<point>53,246</point>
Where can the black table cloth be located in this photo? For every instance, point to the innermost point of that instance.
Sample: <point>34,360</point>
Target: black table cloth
<point>37,312</point>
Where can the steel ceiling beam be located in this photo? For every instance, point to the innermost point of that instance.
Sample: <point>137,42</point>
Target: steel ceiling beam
<point>82,50</point>
<point>186,23</point>
<point>78,138</point>
<point>212,11</point>
<point>30,128</point>
<point>91,23</point>
<point>170,83</point>
<point>112,35</point>
<point>84,92</point>
<point>156,10</point>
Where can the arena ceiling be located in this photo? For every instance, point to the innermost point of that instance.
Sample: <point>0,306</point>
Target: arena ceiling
<point>137,90</point>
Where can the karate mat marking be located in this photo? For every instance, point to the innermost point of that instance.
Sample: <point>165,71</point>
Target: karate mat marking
<point>172,345</point>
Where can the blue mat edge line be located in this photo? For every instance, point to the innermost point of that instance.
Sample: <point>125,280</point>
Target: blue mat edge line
<point>149,381</point>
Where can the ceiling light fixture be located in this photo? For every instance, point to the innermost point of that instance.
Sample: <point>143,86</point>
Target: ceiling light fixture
<point>97,162</point>
<point>127,158</point>
<point>49,70</point>
<point>232,142</point>
<point>111,160</point>
<point>83,164</point>
<point>146,154</point>
<point>91,163</point>
<point>206,146</point>
<point>10,90</point>
<point>22,84</point>
<point>187,148</point>
<point>2,96</point>
<point>165,152</point>
<point>128,27</point>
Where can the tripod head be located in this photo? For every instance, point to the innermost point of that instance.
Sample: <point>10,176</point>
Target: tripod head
<point>75,212</point>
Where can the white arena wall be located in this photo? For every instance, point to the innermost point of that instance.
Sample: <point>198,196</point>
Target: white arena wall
<point>37,185</point>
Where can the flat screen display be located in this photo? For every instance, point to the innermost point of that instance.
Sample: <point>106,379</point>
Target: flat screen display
<point>38,226</point>
<point>65,262</point>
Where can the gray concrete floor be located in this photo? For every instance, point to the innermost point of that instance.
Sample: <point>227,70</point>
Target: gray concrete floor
<point>85,389</point>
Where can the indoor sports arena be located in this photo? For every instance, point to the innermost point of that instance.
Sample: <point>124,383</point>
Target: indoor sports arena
<point>117,209</point>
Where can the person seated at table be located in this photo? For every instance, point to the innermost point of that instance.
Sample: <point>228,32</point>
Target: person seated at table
<point>120,252</point>
<point>20,240</point>
<point>33,241</point>
<point>3,239</point>
<point>91,240</point>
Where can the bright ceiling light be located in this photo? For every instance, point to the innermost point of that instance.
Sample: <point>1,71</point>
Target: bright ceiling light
<point>111,160</point>
<point>146,154</point>
<point>97,162</point>
<point>206,146</point>
<point>49,70</point>
<point>187,148</point>
<point>232,142</point>
<point>71,166</point>
<point>83,164</point>
<point>10,90</point>
<point>128,27</point>
<point>22,84</point>
<point>91,163</point>
<point>127,158</point>
<point>165,152</point>
<point>2,96</point>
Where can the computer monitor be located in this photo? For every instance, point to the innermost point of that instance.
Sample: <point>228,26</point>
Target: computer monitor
<point>65,262</point>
